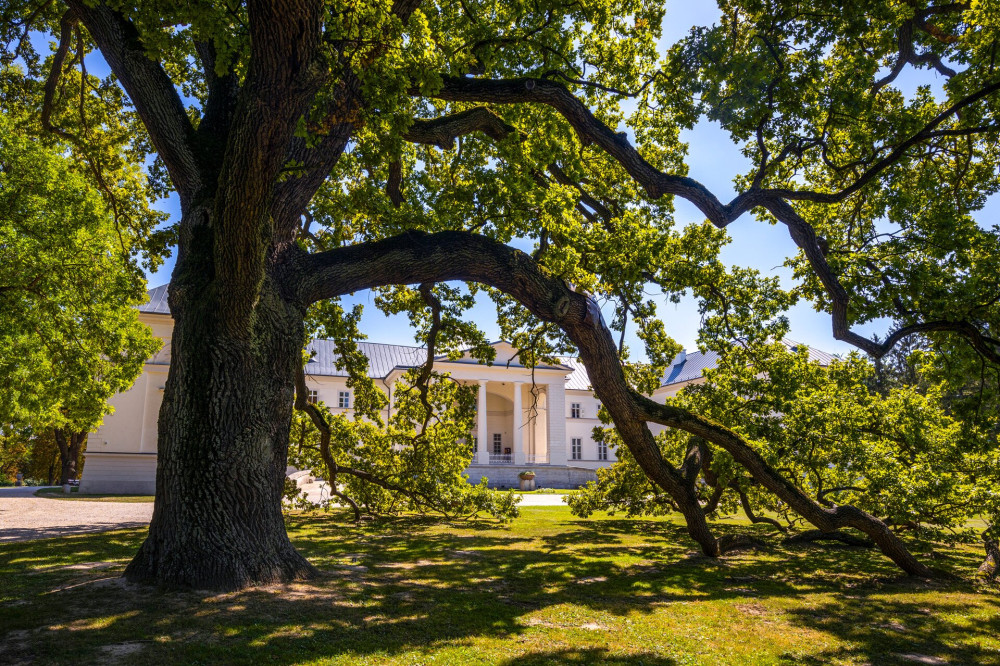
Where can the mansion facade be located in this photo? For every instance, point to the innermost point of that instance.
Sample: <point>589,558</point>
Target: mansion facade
<point>539,418</point>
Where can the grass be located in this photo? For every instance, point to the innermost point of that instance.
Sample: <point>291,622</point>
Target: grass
<point>549,589</point>
<point>74,495</point>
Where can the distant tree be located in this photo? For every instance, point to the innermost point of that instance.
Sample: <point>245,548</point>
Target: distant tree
<point>479,128</point>
<point>15,451</point>
<point>69,333</point>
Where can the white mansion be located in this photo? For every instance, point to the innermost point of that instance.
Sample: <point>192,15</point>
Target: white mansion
<point>539,419</point>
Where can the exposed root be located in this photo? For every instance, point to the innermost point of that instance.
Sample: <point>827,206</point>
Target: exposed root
<point>733,543</point>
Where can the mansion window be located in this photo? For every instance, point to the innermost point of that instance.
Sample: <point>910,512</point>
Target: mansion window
<point>497,443</point>
<point>312,396</point>
<point>344,400</point>
<point>602,450</point>
<point>475,443</point>
<point>576,448</point>
<point>574,410</point>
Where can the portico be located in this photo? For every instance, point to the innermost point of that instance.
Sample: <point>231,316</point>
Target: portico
<point>512,423</point>
<point>520,412</point>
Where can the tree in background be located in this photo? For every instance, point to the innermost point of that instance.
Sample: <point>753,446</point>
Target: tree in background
<point>77,230</point>
<point>15,450</point>
<point>479,128</point>
<point>35,455</point>
<point>897,454</point>
<point>69,333</point>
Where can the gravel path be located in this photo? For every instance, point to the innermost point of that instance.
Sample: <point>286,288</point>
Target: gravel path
<point>24,517</point>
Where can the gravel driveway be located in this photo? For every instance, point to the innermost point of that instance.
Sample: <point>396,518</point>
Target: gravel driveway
<point>24,517</point>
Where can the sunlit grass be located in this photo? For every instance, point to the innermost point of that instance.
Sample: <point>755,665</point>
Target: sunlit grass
<point>551,588</point>
<point>76,495</point>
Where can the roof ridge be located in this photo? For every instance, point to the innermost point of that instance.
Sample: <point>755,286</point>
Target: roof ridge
<point>369,342</point>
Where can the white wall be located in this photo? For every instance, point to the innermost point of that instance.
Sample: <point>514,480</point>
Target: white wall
<point>122,430</point>
<point>583,428</point>
<point>119,473</point>
<point>121,453</point>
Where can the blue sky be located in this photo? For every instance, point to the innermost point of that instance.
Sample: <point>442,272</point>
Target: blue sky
<point>713,160</point>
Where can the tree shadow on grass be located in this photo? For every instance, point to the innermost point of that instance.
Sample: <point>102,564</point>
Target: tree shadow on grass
<point>559,592</point>
<point>912,629</point>
<point>571,656</point>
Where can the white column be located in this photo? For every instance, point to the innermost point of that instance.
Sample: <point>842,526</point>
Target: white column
<point>542,426</point>
<point>483,455</point>
<point>518,428</point>
<point>556,418</point>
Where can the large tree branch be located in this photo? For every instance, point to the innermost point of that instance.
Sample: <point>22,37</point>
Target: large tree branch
<point>220,105</point>
<point>825,519</point>
<point>590,130</point>
<point>418,257</point>
<point>339,120</point>
<point>443,131</point>
<point>894,155</point>
<point>151,91</point>
<point>414,258</point>
<point>805,238</point>
<point>656,183</point>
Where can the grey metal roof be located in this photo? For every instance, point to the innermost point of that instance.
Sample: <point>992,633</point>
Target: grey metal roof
<point>578,380</point>
<point>157,303</point>
<point>382,358</point>
<point>686,367</point>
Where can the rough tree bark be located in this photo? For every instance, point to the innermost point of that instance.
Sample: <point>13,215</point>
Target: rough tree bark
<point>237,339</point>
<point>70,447</point>
<point>223,444</point>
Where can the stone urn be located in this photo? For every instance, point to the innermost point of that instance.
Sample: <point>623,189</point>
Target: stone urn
<point>527,480</point>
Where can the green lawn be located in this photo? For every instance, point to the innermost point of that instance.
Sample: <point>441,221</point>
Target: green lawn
<point>74,494</point>
<point>549,589</point>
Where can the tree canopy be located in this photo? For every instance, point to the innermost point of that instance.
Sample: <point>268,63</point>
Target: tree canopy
<point>70,336</point>
<point>534,150</point>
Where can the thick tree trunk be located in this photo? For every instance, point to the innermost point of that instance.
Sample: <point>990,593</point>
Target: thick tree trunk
<point>223,443</point>
<point>70,446</point>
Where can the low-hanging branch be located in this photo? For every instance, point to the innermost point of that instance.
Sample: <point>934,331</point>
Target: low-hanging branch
<point>443,131</point>
<point>416,257</point>
<point>319,420</point>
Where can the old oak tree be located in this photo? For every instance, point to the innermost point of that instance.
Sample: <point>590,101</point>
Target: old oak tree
<point>321,148</point>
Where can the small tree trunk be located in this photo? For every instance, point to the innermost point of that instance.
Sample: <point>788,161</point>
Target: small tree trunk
<point>70,446</point>
<point>223,443</point>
